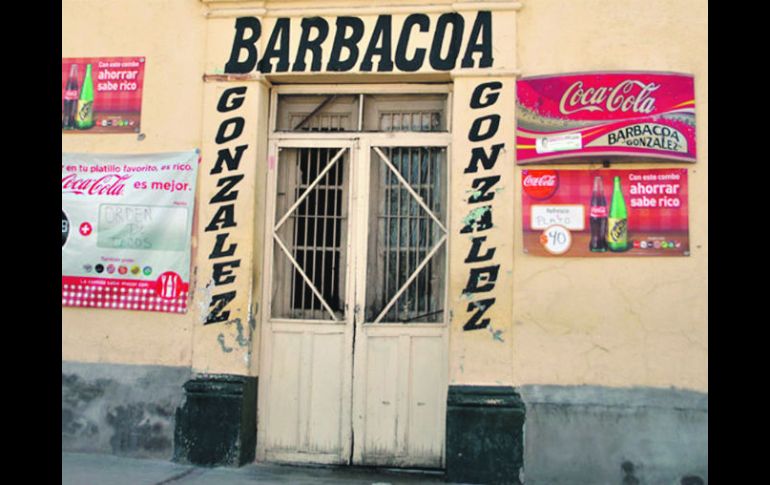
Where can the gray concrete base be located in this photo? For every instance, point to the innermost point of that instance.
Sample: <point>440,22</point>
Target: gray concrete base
<point>120,409</point>
<point>586,435</point>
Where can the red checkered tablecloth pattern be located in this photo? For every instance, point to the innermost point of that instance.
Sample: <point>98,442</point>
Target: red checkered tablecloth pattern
<point>105,101</point>
<point>576,186</point>
<point>84,294</point>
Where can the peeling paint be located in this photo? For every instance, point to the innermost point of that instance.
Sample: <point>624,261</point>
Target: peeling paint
<point>221,340</point>
<point>242,341</point>
<point>474,216</point>
<point>204,301</point>
<point>496,334</point>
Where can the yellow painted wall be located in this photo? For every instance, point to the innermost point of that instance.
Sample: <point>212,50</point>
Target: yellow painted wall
<point>171,35</point>
<point>620,321</point>
<point>615,322</point>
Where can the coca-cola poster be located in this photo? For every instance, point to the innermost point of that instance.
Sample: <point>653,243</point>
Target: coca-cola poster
<point>102,94</point>
<point>126,230</point>
<point>590,116</point>
<point>605,212</point>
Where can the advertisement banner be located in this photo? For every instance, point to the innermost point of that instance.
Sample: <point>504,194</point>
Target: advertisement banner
<point>605,212</point>
<point>126,230</point>
<point>101,94</point>
<point>629,114</point>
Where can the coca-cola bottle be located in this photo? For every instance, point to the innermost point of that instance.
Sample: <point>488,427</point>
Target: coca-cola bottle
<point>597,215</point>
<point>70,108</point>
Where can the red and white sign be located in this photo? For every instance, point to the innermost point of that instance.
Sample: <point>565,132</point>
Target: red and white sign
<point>574,116</point>
<point>573,220</point>
<point>117,84</point>
<point>133,215</point>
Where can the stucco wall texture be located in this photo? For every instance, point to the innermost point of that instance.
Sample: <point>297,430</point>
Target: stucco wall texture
<point>608,322</point>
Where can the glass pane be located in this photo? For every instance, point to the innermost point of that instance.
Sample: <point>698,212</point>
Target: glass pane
<point>328,113</point>
<point>314,234</point>
<point>405,112</point>
<point>404,237</point>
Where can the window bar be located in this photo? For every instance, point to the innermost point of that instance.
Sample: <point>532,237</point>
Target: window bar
<point>413,214</point>
<point>411,278</point>
<point>396,154</point>
<point>323,218</point>
<point>310,187</point>
<point>308,218</point>
<point>417,197</point>
<point>303,275</point>
<point>295,215</point>
<point>384,174</point>
<point>312,244</point>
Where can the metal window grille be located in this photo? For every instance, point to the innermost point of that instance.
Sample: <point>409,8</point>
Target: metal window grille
<point>407,243</point>
<point>313,233</point>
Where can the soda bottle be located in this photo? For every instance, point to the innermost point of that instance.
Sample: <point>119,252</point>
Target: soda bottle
<point>84,118</point>
<point>598,217</point>
<point>70,100</point>
<point>617,230</point>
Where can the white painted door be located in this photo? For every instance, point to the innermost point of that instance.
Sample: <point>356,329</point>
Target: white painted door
<point>353,365</point>
<point>400,382</point>
<point>305,382</point>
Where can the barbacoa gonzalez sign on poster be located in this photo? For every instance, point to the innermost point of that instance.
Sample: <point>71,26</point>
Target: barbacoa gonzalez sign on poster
<point>577,116</point>
<point>605,212</point>
<point>126,230</point>
<point>102,94</point>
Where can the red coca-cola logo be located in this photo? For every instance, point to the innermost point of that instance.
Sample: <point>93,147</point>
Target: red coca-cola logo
<point>597,211</point>
<point>106,185</point>
<point>540,184</point>
<point>71,94</point>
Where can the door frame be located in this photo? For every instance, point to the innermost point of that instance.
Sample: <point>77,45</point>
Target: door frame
<point>359,145</point>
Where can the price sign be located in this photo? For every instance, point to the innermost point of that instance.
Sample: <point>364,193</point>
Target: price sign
<point>556,239</point>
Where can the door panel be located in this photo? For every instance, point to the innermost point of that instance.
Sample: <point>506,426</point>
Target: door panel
<point>304,398</point>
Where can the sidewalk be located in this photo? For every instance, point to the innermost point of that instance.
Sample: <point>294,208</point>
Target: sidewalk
<point>97,469</point>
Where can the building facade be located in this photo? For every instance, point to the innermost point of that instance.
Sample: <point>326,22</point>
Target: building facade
<point>359,293</point>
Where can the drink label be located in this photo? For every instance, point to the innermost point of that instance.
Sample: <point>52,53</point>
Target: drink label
<point>84,116</point>
<point>617,232</point>
<point>71,95</point>
<point>597,211</point>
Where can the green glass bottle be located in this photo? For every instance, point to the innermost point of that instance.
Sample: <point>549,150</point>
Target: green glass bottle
<point>617,222</point>
<point>84,117</point>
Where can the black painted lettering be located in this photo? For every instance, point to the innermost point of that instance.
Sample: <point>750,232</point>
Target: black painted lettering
<point>314,46</point>
<point>482,279</point>
<point>483,186</point>
<point>474,255</point>
<point>224,217</point>
<point>382,31</point>
<point>241,41</point>
<point>280,31</point>
<point>219,251</point>
<point>226,193</point>
<point>481,307</point>
<point>350,43</point>
<point>490,99</point>
<point>479,155</point>
<point>237,125</point>
<point>447,63</point>
<point>481,222</point>
<point>216,307</point>
<point>413,64</point>
<point>476,135</point>
<point>481,26</point>
<point>224,156</point>
<point>223,274</point>
<point>227,102</point>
